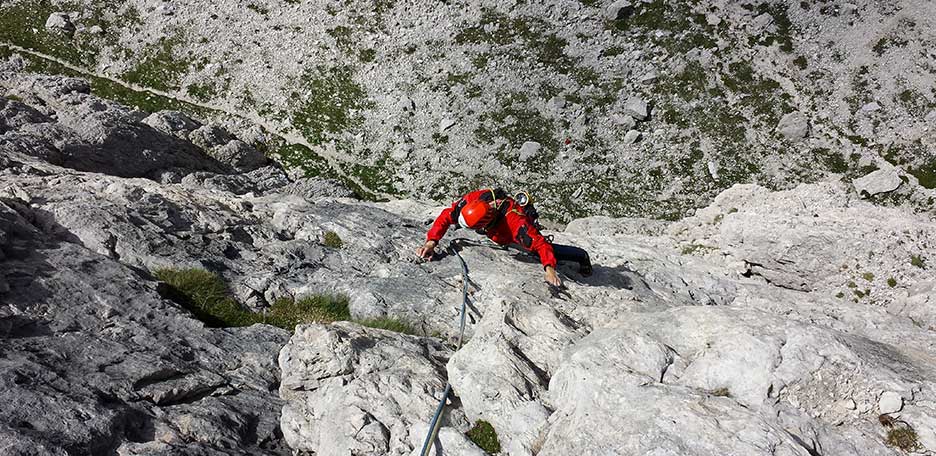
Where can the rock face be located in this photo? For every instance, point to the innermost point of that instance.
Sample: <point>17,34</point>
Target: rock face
<point>367,395</point>
<point>769,323</point>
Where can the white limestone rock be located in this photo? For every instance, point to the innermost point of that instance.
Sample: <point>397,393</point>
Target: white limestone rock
<point>637,108</point>
<point>60,21</point>
<point>349,388</point>
<point>794,126</point>
<point>631,137</point>
<point>876,182</point>
<point>890,402</point>
<point>529,150</point>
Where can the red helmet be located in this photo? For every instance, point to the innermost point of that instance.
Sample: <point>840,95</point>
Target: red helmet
<point>476,214</point>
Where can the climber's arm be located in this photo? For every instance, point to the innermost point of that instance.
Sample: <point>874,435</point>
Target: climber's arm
<point>530,238</point>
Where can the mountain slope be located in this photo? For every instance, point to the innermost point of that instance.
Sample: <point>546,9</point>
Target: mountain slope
<point>405,98</point>
<point>795,322</point>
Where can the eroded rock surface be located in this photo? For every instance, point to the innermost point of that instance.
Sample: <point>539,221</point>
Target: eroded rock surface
<point>770,323</point>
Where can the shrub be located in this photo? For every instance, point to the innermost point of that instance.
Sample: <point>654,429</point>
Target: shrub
<point>903,437</point>
<point>332,240</point>
<point>483,435</point>
<point>892,282</point>
<point>917,261</point>
<point>868,276</point>
<point>390,324</point>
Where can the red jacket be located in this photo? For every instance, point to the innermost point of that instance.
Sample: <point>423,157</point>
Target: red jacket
<point>510,226</point>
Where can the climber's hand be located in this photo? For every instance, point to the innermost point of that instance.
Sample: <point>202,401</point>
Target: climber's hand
<point>552,278</point>
<point>426,251</point>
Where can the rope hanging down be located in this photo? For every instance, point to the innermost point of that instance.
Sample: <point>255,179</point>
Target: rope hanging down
<point>437,418</point>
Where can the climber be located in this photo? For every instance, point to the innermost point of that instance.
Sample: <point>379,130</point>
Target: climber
<point>501,218</point>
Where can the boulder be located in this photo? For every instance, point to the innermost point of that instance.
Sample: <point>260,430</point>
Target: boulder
<point>60,22</point>
<point>529,150</point>
<point>205,136</point>
<point>624,121</point>
<point>880,181</point>
<point>637,108</point>
<point>890,402</point>
<point>175,123</point>
<point>631,137</point>
<point>794,126</point>
<point>238,155</point>
<point>618,10</point>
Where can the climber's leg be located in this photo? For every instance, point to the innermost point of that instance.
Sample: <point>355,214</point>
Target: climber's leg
<point>576,254</point>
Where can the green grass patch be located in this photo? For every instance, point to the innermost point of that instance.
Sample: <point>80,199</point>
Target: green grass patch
<point>521,38</point>
<point>107,89</point>
<point>344,37</point>
<point>783,36</point>
<point>801,62</point>
<point>483,435</point>
<point>159,66</point>
<point>367,55</point>
<point>332,240</point>
<point>693,249</point>
<point>327,102</point>
<point>287,313</point>
<point>259,9</point>
<point>23,23</point>
<point>888,42</point>
<point>206,296</point>
<point>389,324</point>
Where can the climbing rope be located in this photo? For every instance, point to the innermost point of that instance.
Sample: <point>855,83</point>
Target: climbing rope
<point>437,418</point>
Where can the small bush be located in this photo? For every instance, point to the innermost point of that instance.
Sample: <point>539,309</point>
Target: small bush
<point>868,276</point>
<point>390,324</point>
<point>917,261</point>
<point>332,240</point>
<point>892,282</point>
<point>903,437</point>
<point>483,435</point>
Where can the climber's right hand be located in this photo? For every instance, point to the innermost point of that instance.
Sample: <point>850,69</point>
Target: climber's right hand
<point>426,251</point>
<point>552,277</point>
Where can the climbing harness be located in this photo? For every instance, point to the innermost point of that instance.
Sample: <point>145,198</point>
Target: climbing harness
<point>437,418</point>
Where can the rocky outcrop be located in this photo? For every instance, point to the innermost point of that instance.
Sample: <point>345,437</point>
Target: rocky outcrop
<point>795,322</point>
<point>98,363</point>
<point>360,390</point>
